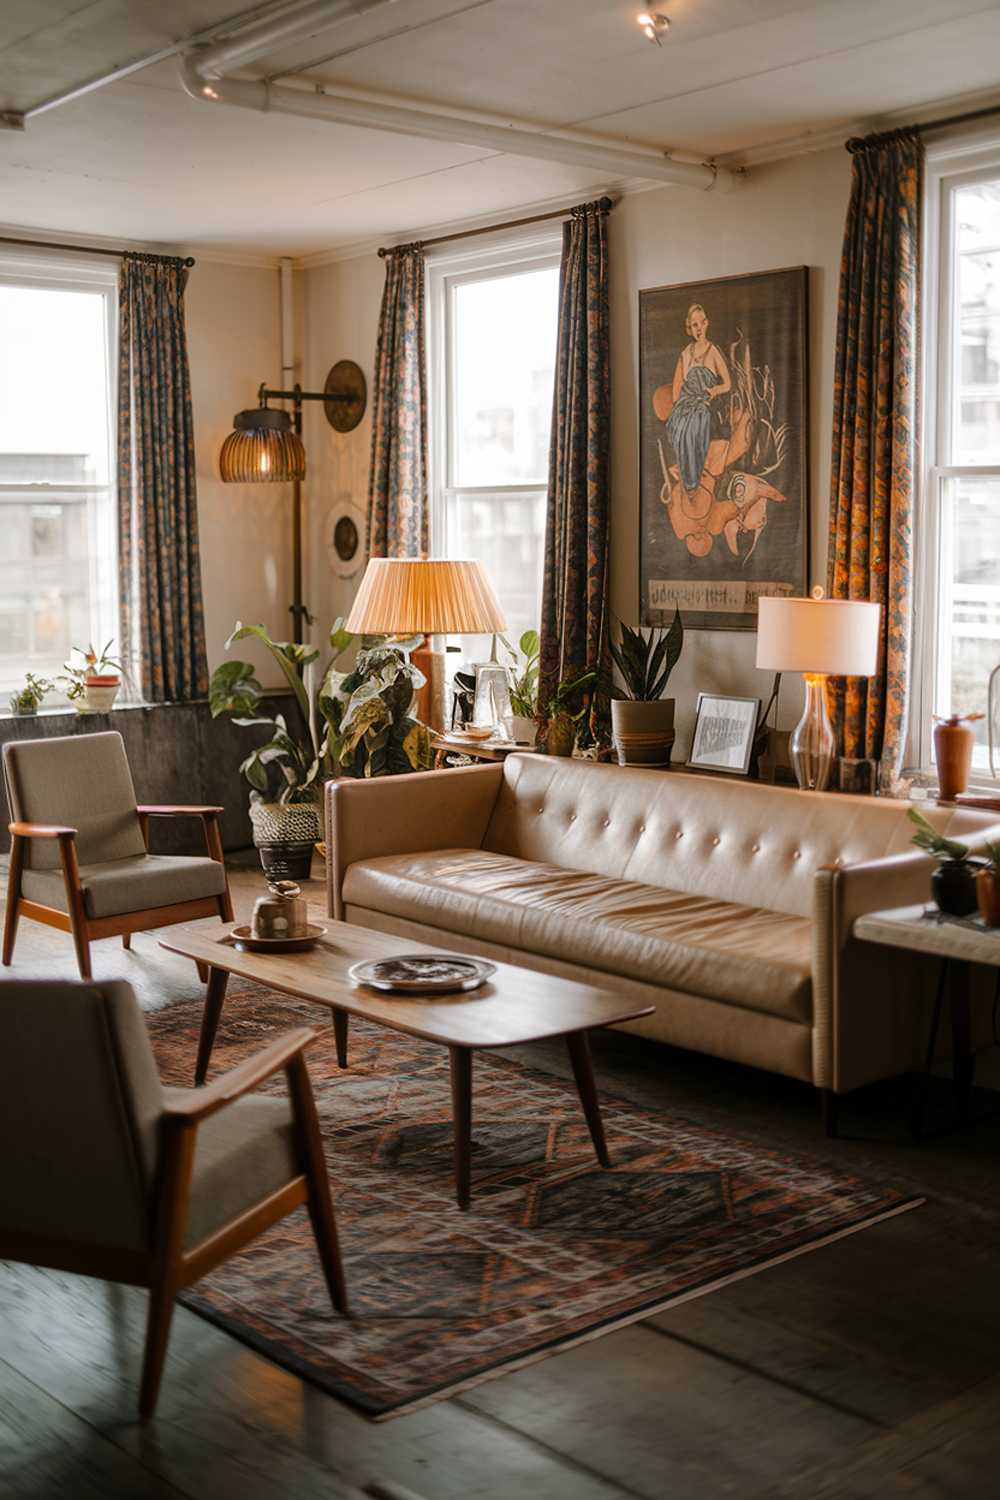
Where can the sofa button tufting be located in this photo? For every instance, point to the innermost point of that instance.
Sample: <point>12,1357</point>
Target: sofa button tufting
<point>606,823</point>
<point>754,848</point>
<point>715,843</point>
<point>796,853</point>
<point>678,834</point>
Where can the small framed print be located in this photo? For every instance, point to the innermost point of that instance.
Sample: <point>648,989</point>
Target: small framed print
<point>724,733</point>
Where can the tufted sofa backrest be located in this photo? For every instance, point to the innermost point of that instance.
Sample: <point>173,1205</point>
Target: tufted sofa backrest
<point>735,840</point>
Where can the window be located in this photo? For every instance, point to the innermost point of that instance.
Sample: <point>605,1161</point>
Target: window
<point>960,641</point>
<point>492,322</point>
<point>57,532</point>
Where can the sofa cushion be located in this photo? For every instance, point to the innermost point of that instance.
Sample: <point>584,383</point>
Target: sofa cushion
<point>740,954</point>
<point>124,885</point>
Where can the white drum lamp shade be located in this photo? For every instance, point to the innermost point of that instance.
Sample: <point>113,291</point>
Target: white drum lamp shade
<point>426,596</point>
<point>820,638</point>
<point>838,637</point>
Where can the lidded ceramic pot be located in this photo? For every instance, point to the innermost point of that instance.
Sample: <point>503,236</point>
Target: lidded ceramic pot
<point>282,913</point>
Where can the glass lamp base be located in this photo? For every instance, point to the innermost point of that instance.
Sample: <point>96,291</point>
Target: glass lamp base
<point>812,744</point>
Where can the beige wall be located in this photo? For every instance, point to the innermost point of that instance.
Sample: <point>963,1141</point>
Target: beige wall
<point>786,214</point>
<point>233,327</point>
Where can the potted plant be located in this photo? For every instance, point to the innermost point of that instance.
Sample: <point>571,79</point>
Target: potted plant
<point>988,886</point>
<point>283,772</point>
<point>523,676</point>
<point>93,684</point>
<point>370,726</point>
<point>953,883</point>
<point>28,699</point>
<point>563,723</point>
<point>643,722</point>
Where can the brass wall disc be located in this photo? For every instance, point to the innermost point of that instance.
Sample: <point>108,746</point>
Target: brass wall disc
<point>346,381</point>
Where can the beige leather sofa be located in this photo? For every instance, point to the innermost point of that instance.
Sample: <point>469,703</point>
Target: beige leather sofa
<point>726,904</point>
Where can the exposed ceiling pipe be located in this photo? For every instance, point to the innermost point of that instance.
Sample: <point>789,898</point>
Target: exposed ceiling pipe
<point>296,24</point>
<point>374,112</point>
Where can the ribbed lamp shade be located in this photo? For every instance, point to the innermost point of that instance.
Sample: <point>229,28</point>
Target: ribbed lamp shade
<point>433,596</point>
<point>837,637</point>
<point>262,449</point>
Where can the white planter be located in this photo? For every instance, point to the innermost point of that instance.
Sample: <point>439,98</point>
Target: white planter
<point>523,731</point>
<point>98,696</point>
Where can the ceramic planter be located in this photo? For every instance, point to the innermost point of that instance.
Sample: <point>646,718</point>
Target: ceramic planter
<point>523,731</point>
<point>988,896</point>
<point>561,735</point>
<point>643,732</point>
<point>99,694</point>
<point>953,886</point>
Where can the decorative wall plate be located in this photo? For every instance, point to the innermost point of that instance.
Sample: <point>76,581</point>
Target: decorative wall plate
<point>345,538</point>
<point>424,973</point>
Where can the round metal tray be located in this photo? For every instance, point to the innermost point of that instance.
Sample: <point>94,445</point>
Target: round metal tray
<point>244,938</point>
<point>423,974</point>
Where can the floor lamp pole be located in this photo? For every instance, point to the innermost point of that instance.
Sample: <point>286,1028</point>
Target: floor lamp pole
<point>299,613</point>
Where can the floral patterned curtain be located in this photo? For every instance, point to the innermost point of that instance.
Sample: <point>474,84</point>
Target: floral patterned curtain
<point>398,508</point>
<point>875,437</point>
<point>574,627</point>
<point>162,624</point>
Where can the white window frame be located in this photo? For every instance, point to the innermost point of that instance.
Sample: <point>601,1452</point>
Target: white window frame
<point>445,272</point>
<point>950,165</point>
<point>58,273</point>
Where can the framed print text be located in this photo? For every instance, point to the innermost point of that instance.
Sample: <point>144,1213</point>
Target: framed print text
<point>723,447</point>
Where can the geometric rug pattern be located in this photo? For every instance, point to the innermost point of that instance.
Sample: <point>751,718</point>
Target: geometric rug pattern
<point>553,1250</point>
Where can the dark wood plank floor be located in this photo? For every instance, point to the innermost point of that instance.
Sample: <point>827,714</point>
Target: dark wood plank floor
<point>869,1368</point>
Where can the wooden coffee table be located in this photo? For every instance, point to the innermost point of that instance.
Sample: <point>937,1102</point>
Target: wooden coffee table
<point>516,1005</point>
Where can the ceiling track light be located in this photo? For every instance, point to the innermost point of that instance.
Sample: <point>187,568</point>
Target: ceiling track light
<point>654,25</point>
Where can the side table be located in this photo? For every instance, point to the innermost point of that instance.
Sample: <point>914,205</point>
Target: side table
<point>958,943</point>
<point>446,744</point>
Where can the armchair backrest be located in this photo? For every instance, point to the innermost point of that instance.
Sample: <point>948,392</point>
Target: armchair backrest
<point>80,1109</point>
<point>82,781</point>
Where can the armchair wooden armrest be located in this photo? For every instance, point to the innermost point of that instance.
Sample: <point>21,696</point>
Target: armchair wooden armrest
<point>203,1102</point>
<point>167,810</point>
<point>41,831</point>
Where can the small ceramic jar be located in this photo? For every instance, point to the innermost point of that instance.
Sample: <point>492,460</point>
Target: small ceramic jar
<point>282,913</point>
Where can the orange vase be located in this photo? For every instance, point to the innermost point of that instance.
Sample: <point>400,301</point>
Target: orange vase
<point>953,742</point>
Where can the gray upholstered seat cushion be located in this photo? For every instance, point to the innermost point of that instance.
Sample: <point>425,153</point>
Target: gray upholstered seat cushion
<point>124,885</point>
<point>243,1154</point>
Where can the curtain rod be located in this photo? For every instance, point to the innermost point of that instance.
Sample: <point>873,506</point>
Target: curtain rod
<point>467,234</point>
<point>6,239</point>
<point>856,142</point>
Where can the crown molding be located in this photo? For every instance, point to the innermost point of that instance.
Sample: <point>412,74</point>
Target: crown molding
<point>836,135</point>
<point>357,248</point>
<point>61,238</point>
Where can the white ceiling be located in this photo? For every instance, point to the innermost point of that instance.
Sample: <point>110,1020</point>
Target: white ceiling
<point>142,161</point>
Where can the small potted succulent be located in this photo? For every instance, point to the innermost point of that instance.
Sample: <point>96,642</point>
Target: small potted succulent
<point>643,721</point>
<point>953,883</point>
<point>93,684</point>
<point>563,722</point>
<point>523,676</point>
<point>28,699</point>
<point>988,886</point>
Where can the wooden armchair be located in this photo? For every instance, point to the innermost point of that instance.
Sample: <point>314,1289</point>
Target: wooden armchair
<point>106,1173</point>
<point>79,857</point>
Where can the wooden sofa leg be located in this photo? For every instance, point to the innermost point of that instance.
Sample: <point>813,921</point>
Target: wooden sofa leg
<point>829,1102</point>
<point>13,908</point>
<point>126,941</point>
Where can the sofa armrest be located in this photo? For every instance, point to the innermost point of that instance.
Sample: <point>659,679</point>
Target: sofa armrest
<point>857,1033</point>
<point>366,819</point>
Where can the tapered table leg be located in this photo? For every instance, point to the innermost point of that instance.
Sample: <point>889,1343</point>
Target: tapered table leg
<point>461,1110</point>
<point>341,1021</point>
<point>579,1056</point>
<point>215,995</point>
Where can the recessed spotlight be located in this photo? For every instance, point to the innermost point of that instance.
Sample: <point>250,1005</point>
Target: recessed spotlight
<point>654,24</point>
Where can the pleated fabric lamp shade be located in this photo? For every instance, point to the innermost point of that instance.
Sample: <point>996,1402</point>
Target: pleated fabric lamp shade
<point>428,596</point>
<point>263,448</point>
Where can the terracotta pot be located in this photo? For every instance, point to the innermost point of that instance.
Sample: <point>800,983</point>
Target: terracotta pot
<point>99,693</point>
<point>953,742</point>
<point>561,736</point>
<point>953,886</point>
<point>643,732</point>
<point>988,897</point>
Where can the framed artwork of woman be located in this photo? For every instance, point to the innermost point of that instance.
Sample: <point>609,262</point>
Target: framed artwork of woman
<point>723,447</point>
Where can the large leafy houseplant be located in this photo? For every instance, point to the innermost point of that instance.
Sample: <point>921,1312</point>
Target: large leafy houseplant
<point>643,721</point>
<point>370,726</point>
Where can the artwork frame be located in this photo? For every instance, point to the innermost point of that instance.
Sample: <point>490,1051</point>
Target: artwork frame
<point>726,749</point>
<point>724,503</point>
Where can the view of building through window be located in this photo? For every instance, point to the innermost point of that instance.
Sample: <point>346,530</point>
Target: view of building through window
<point>501,345</point>
<point>968,532</point>
<point>56,531</point>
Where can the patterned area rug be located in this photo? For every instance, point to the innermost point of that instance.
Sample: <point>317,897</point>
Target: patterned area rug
<point>554,1250</point>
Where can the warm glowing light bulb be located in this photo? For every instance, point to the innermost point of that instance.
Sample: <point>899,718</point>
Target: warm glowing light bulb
<point>645,19</point>
<point>650,32</point>
<point>265,463</point>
